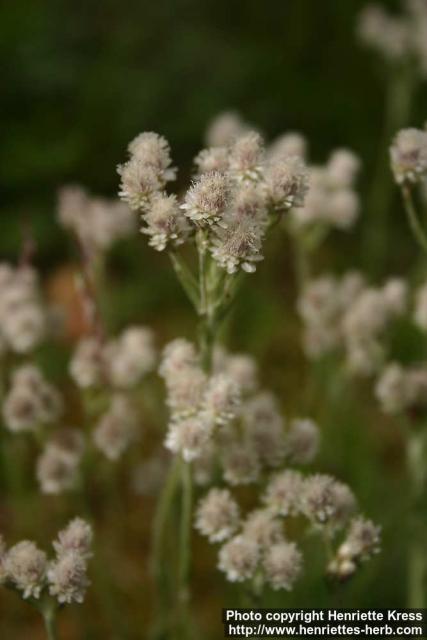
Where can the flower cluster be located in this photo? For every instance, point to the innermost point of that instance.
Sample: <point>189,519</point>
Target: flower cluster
<point>408,154</point>
<point>31,400</point>
<point>332,200</point>
<point>25,568</point>
<point>58,464</point>
<point>399,38</point>
<point>117,428</point>
<point>360,544</point>
<point>24,320</point>
<point>237,191</point>
<point>399,388</point>
<point>347,313</point>
<point>225,420</point>
<point>120,362</point>
<point>96,222</point>
<point>256,545</point>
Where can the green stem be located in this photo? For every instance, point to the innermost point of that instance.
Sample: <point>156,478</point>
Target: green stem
<point>49,617</point>
<point>417,549</point>
<point>201,250</point>
<point>185,536</point>
<point>160,523</point>
<point>186,279</point>
<point>414,223</point>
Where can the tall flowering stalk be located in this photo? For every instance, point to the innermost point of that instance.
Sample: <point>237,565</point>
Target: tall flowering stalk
<point>408,154</point>
<point>234,200</point>
<point>400,41</point>
<point>239,194</point>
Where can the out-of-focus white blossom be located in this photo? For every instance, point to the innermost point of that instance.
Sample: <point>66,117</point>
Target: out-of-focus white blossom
<point>217,515</point>
<point>97,222</point>
<point>221,399</point>
<point>246,156</point>
<point>283,493</point>
<point>287,183</point>
<point>77,537</point>
<point>23,317</point>
<point>238,559</point>
<point>240,463</point>
<point>224,128</point>
<point>361,543</point>
<point>388,35</point>
<point>117,429</point>
<point>130,356</point>
<point>212,159</point>
<point>288,144</point>
<point>408,154</point>
<point>263,424</point>
<point>262,527</point>
<point>57,469</point>
<point>282,565</point>
<point>67,578</point>
<point>86,365</point>
<point>31,401</point>
<point>189,435</point>
<point>325,501</point>
<point>302,441</point>
<point>25,566</point>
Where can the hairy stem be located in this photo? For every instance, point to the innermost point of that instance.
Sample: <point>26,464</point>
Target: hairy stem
<point>185,536</point>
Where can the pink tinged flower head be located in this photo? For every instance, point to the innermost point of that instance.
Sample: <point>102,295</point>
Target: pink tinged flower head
<point>207,199</point>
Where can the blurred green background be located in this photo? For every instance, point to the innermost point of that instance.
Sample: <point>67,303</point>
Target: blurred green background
<point>80,79</point>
